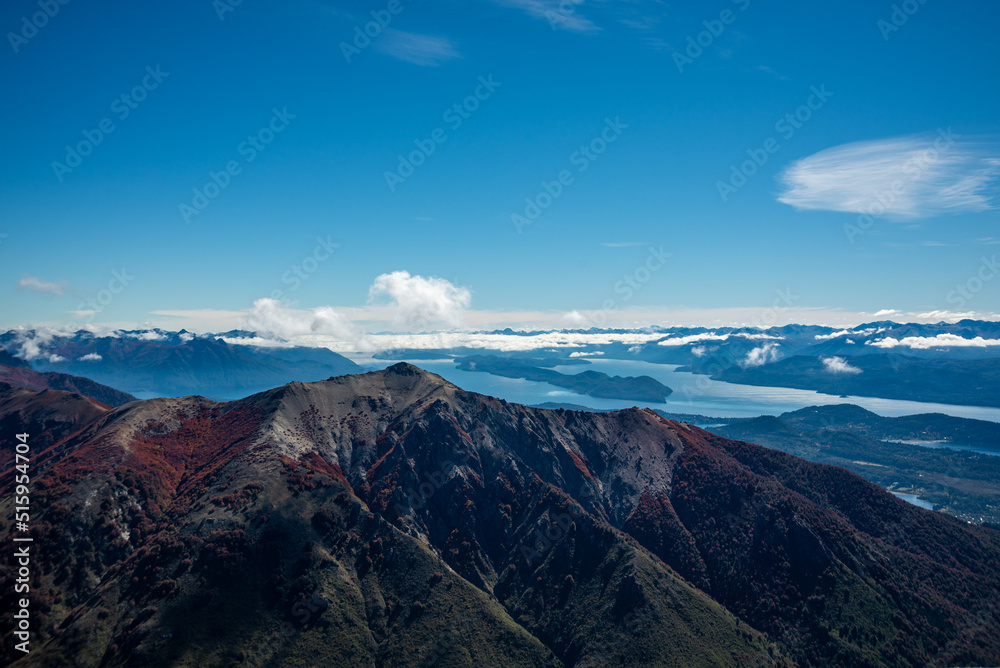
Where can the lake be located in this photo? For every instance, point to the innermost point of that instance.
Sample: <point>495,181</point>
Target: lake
<point>915,500</point>
<point>693,393</point>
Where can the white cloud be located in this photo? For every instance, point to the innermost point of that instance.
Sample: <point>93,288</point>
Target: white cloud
<point>508,342</point>
<point>833,335</point>
<point>422,300</point>
<point>30,344</point>
<point>272,320</point>
<point>913,176</point>
<point>761,355</point>
<point>577,319</point>
<point>592,354</point>
<point>884,312</point>
<point>699,351</point>
<point>423,50</point>
<point>939,341</point>
<point>693,338</point>
<point>838,365</point>
<point>53,358</point>
<point>148,335</point>
<point>257,342</point>
<point>848,332</point>
<point>90,357</point>
<point>950,316</point>
<point>558,13</point>
<point>759,337</point>
<point>36,284</point>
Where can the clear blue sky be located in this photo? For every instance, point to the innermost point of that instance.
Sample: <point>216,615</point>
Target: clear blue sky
<point>324,174</point>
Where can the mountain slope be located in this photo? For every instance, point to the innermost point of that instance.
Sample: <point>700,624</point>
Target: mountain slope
<point>391,518</point>
<point>25,376</point>
<point>184,531</point>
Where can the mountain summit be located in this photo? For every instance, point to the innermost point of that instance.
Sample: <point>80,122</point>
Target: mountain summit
<point>391,518</point>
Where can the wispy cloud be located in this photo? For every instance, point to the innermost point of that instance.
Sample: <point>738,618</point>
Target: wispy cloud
<point>906,177</point>
<point>768,70</point>
<point>423,50</point>
<point>559,13</point>
<point>36,284</point>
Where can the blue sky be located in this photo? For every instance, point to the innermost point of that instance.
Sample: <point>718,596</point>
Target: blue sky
<point>678,117</point>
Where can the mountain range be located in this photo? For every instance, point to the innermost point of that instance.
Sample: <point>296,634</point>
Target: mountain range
<point>952,363</point>
<point>157,363</point>
<point>391,519</point>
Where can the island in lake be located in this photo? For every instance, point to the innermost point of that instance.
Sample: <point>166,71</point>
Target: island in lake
<point>591,383</point>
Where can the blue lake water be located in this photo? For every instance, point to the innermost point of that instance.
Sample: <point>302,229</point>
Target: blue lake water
<point>915,500</point>
<point>949,446</point>
<point>692,393</point>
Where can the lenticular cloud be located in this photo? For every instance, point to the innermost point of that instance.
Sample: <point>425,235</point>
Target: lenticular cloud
<point>906,177</point>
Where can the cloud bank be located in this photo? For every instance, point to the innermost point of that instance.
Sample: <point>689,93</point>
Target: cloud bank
<point>939,341</point>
